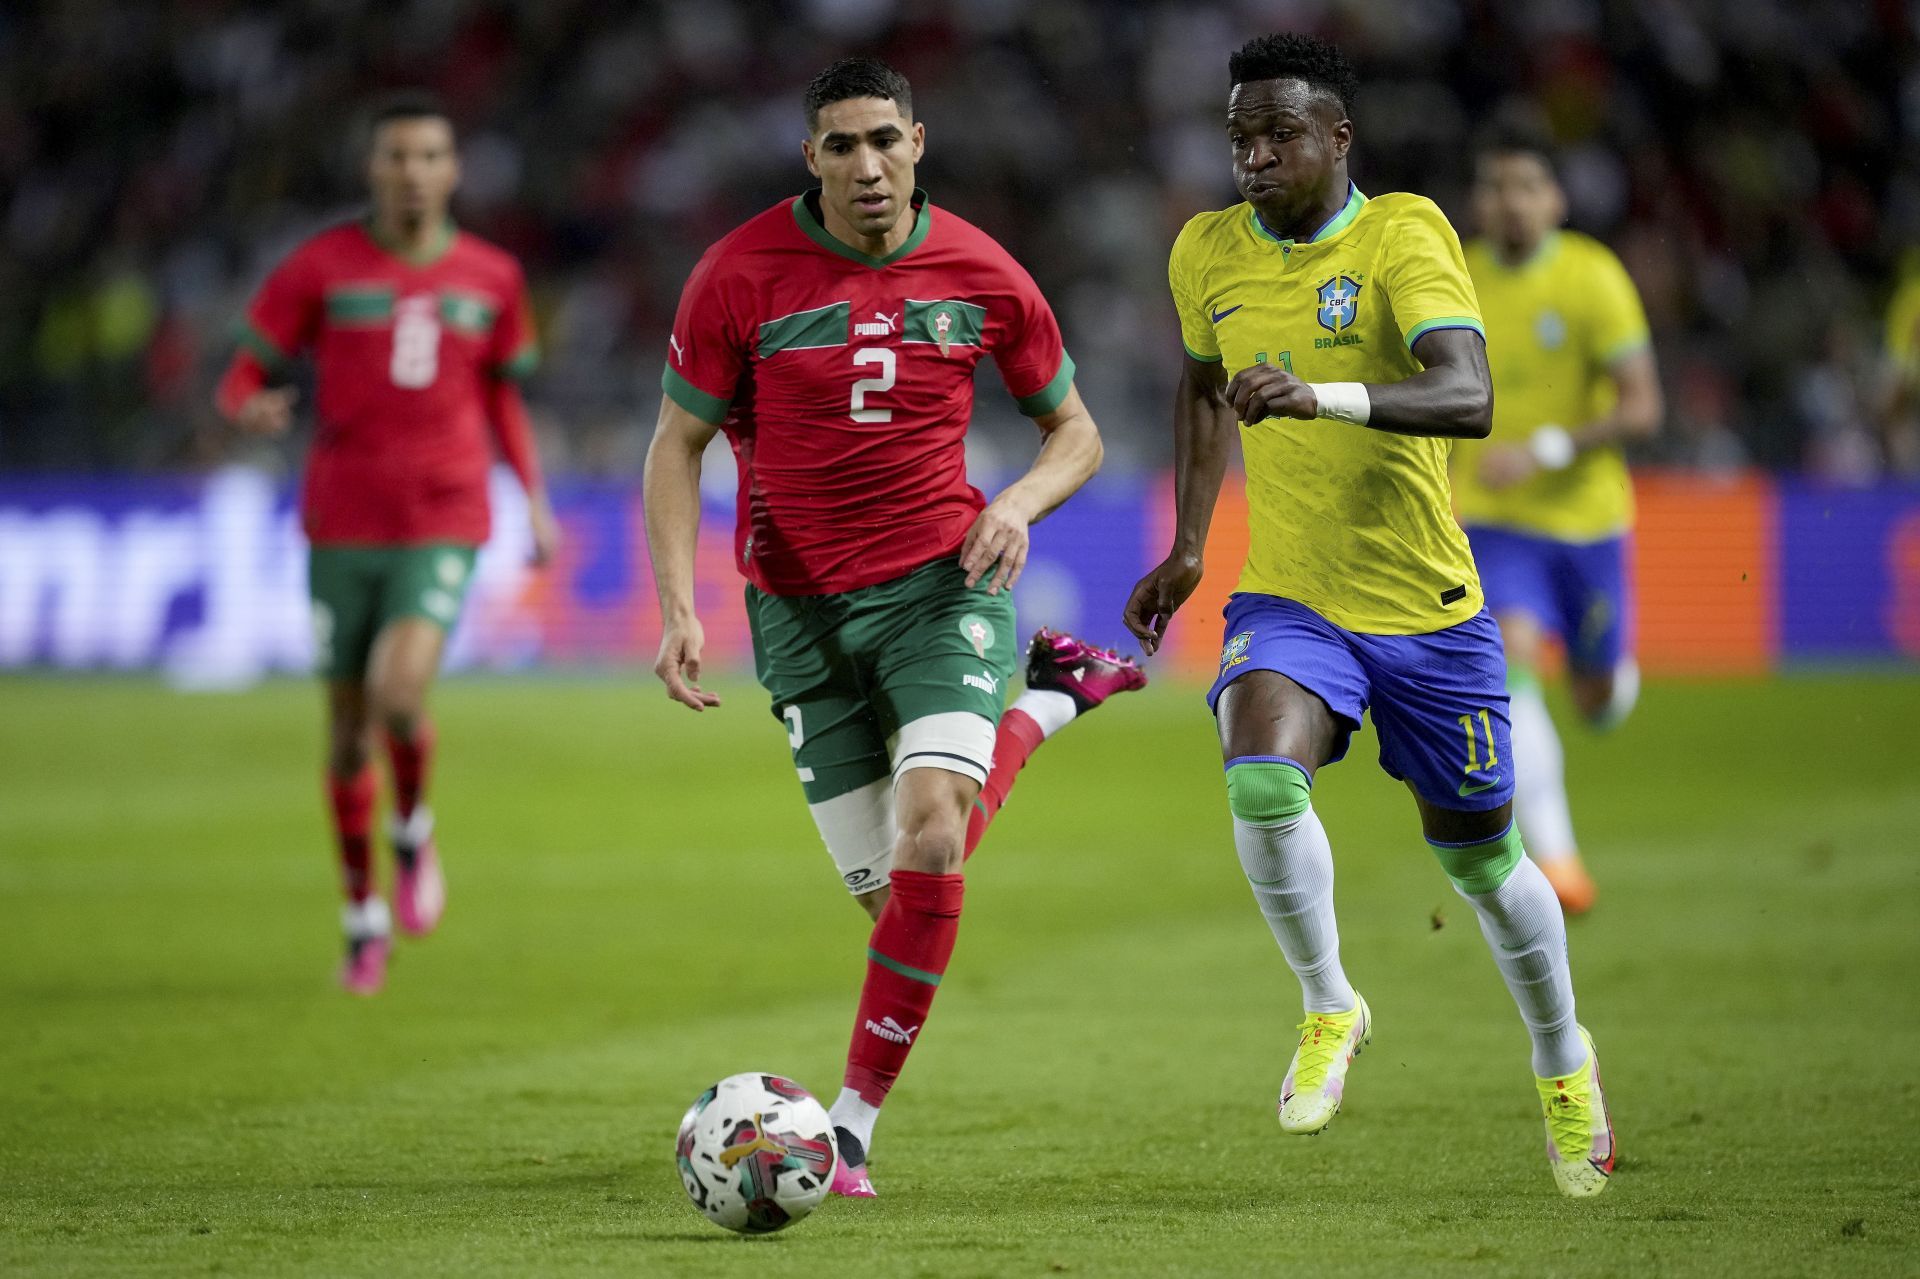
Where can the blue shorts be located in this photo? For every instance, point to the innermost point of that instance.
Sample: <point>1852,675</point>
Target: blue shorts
<point>1439,700</point>
<point>1577,590</point>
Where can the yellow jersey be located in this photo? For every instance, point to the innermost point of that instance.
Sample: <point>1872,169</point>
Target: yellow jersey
<point>1557,324</point>
<point>1903,319</point>
<point>1352,522</point>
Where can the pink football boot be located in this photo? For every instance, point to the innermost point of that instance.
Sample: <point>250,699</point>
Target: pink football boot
<point>369,943</point>
<point>1089,675</point>
<point>850,1170</point>
<point>419,890</point>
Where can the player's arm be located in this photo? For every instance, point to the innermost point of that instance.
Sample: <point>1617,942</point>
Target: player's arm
<point>672,497</point>
<point>1637,409</point>
<point>1451,397</point>
<point>1636,415</point>
<point>1203,426</point>
<point>1070,453</point>
<point>513,430</point>
<point>514,353</point>
<point>281,320</point>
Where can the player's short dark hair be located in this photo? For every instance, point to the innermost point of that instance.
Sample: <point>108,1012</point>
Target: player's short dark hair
<point>857,78</point>
<point>1291,56</point>
<point>408,104</point>
<point>1517,133</point>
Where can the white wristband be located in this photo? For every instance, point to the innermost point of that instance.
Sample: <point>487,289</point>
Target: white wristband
<point>1552,447</point>
<point>1342,401</point>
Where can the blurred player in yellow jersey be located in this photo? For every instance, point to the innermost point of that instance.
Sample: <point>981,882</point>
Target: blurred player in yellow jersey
<point>1900,400</point>
<point>1546,499</point>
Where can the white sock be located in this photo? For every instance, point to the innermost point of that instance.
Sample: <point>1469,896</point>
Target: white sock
<point>1524,929</point>
<point>368,919</point>
<point>853,1113</point>
<point>1290,868</point>
<point>1626,695</point>
<point>412,830</point>
<point>1050,708</point>
<point>1539,778</point>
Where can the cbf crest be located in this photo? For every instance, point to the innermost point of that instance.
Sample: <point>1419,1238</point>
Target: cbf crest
<point>1550,330</point>
<point>1339,303</point>
<point>1236,650</point>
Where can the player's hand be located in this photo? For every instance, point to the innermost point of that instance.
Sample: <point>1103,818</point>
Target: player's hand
<point>1263,391</point>
<point>679,664</point>
<point>998,536</point>
<point>1157,596</point>
<point>546,531</point>
<point>268,412</point>
<point>1504,465</point>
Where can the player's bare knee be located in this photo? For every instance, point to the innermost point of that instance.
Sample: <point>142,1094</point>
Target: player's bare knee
<point>402,722</point>
<point>1265,713</point>
<point>1591,695</point>
<point>934,843</point>
<point>1520,637</point>
<point>874,902</point>
<point>347,748</point>
<point>399,705</point>
<point>1605,698</point>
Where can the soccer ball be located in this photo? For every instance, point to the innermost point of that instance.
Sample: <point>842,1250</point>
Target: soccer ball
<point>756,1153</point>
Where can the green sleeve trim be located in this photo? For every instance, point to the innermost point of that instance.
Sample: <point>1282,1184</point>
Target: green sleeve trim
<point>710,409</point>
<point>1425,327</point>
<point>1204,359</point>
<point>907,971</point>
<point>521,364</point>
<point>262,347</point>
<point>1626,346</point>
<point>1049,397</point>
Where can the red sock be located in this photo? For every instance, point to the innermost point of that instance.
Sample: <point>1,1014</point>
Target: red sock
<point>410,761</point>
<point>1018,738</point>
<point>906,956</point>
<point>353,825</point>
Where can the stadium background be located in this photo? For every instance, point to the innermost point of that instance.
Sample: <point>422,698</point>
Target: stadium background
<point>640,904</point>
<point>1757,166</point>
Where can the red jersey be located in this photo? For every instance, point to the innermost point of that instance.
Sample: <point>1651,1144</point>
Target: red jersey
<point>407,357</point>
<point>845,384</point>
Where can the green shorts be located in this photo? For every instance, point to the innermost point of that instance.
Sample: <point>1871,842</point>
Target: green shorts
<point>847,671</point>
<point>357,590</point>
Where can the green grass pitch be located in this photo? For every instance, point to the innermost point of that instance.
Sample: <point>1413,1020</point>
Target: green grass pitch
<point>639,905</point>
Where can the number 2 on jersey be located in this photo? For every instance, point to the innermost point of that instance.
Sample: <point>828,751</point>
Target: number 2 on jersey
<point>883,356</point>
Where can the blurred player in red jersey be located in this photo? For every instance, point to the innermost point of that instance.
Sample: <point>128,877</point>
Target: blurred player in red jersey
<point>418,333</point>
<point>834,338</point>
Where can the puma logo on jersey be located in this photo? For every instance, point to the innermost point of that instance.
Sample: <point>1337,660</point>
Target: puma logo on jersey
<point>673,343</point>
<point>985,683</point>
<point>892,1031</point>
<point>882,325</point>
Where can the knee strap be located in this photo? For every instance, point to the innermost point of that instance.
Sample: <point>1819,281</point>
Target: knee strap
<point>1484,865</point>
<point>1266,789</point>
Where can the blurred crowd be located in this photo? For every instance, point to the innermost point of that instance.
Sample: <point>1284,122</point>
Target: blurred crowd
<point>1755,162</point>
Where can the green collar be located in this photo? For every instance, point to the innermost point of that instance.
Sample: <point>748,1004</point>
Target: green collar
<point>804,217</point>
<point>434,251</point>
<point>1331,227</point>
